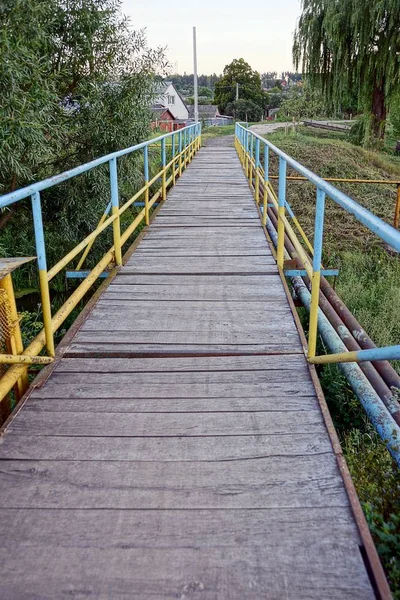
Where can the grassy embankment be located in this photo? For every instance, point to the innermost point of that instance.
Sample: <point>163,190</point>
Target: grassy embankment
<point>369,284</point>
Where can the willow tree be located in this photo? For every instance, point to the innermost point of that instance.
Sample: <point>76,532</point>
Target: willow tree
<point>348,46</point>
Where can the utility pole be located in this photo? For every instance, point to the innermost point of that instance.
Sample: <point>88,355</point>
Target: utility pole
<point>237,92</point>
<point>196,98</point>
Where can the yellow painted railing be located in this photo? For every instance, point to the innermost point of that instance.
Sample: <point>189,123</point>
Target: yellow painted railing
<point>250,148</point>
<point>183,146</point>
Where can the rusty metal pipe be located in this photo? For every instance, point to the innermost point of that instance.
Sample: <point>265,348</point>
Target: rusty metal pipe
<point>383,421</point>
<point>351,344</point>
<point>384,368</point>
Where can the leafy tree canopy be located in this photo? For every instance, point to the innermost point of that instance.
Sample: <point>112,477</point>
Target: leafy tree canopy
<point>274,99</point>
<point>75,83</point>
<point>350,45</point>
<point>303,103</point>
<point>268,79</point>
<point>238,72</point>
<point>244,110</point>
<point>184,83</point>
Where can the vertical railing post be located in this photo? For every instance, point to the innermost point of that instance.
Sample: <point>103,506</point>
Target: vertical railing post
<point>42,265</point>
<point>146,179</point>
<point>316,277</point>
<point>247,152</point>
<point>164,175</point>
<point>266,184</point>
<point>251,160</point>
<point>257,162</point>
<point>114,210</point>
<point>281,211</point>
<point>15,342</point>
<point>173,157</point>
<point>184,147</point>
<point>180,151</point>
<point>397,209</point>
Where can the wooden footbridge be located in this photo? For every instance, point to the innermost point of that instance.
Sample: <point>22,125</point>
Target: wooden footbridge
<point>179,445</point>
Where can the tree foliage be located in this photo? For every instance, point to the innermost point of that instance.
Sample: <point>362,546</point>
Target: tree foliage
<point>75,83</point>
<point>249,81</point>
<point>184,83</point>
<point>350,45</point>
<point>274,99</point>
<point>268,79</point>
<point>244,110</point>
<point>303,103</point>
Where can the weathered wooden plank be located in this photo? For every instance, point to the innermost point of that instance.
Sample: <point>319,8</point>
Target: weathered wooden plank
<point>206,309</point>
<point>279,379</point>
<point>155,314</point>
<point>121,571</point>
<point>149,344</point>
<point>192,252</point>
<point>131,289</point>
<point>220,330</point>
<point>251,233</point>
<point>272,402</point>
<point>165,529</point>
<point>165,449</point>
<point>209,363</point>
<point>167,425</point>
<point>218,265</point>
<point>129,388</point>
<point>272,482</point>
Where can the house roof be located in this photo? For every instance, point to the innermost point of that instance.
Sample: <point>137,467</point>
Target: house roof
<point>206,111</point>
<point>158,110</point>
<point>163,85</point>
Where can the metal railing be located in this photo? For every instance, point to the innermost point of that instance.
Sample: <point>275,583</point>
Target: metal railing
<point>183,145</point>
<point>254,151</point>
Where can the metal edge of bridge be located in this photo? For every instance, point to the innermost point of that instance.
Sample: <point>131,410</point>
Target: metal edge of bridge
<point>369,552</point>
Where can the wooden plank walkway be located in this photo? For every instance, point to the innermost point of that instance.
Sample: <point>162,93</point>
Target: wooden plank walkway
<point>178,449</point>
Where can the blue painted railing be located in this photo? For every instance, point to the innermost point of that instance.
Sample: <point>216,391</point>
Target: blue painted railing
<point>189,141</point>
<point>246,141</point>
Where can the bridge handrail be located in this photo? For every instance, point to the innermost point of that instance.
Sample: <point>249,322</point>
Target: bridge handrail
<point>20,194</point>
<point>249,145</point>
<point>382,229</point>
<point>184,144</point>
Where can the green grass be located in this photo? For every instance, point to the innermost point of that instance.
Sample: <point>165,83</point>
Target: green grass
<point>369,284</point>
<point>211,132</point>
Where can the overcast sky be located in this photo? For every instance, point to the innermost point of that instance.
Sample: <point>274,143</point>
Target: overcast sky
<point>260,31</point>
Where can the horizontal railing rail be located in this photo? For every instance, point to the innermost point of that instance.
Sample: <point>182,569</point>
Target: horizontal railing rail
<point>174,157</point>
<point>254,154</point>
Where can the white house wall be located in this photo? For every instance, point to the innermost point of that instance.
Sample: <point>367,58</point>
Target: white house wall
<point>171,100</point>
